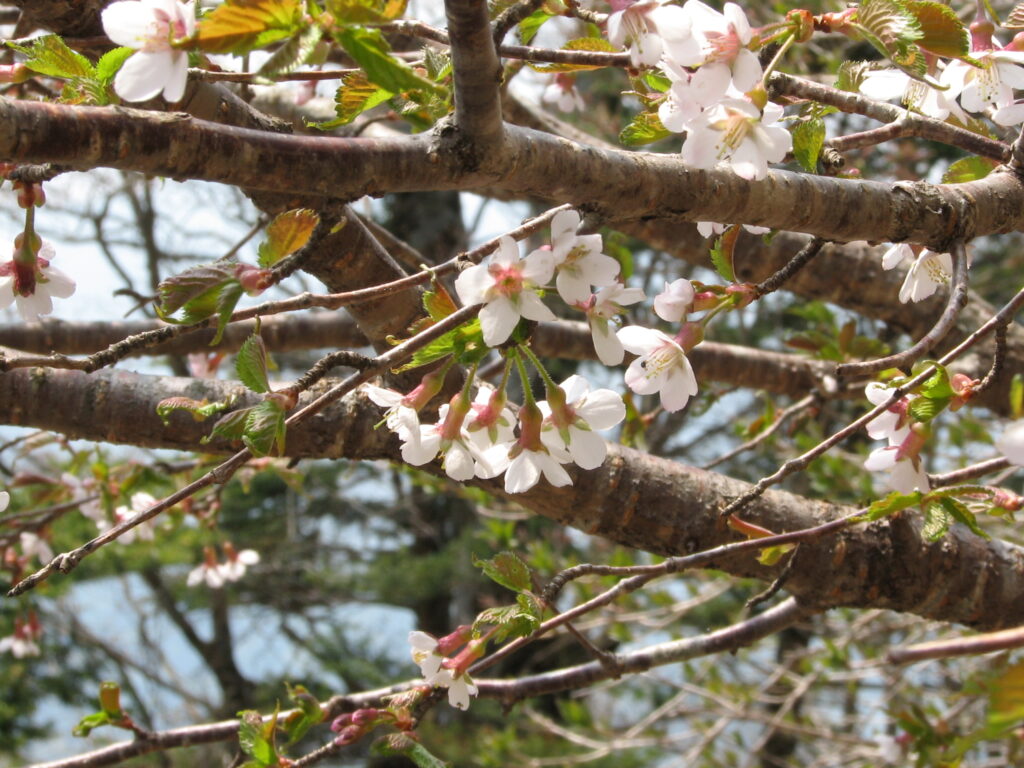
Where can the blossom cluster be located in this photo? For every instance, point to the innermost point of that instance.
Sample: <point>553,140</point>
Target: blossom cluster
<point>432,657</point>
<point>715,96</point>
<point>900,457</point>
<point>215,574</point>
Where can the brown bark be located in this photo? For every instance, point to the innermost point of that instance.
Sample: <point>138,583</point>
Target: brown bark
<point>634,499</point>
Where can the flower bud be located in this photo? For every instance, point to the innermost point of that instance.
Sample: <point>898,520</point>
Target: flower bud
<point>742,293</point>
<point>110,698</point>
<point>1007,500</point>
<point>448,644</point>
<point>706,300</point>
<point>689,336</point>
<point>425,391</point>
<point>253,279</point>
<point>14,73</point>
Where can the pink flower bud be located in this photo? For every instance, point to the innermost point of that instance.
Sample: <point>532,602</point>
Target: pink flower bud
<point>365,716</point>
<point>689,336</point>
<point>341,722</point>
<point>1007,500</point>
<point>744,293</point>
<point>14,73</point>
<point>253,279</point>
<point>705,300</point>
<point>448,644</point>
<point>426,390</point>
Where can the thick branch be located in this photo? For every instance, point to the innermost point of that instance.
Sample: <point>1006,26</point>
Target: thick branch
<point>634,499</point>
<point>617,184</point>
<point>477,77</point>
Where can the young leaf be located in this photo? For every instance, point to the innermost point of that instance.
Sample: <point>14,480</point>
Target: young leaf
<point>598,44</point>
<point>230,426</point>
<point>237,26</point>
<point>366,11</point>
<point>962,514</point>
<point>354,96</point>
<point>968,169</point>
<point>1017,395</point>
<point>49,55</point>
<point>308,714</point>
<point>401,744</point>
<point>227,299</point>
<point>1006,696</point>
<point>808,140</point>
<point>530,26</point>
<point>892,30</point>
<point>253,740</point>
<point>370,51</point>
<point>438,303</point>
<point>771,555</point>
<point>506,569</point>
<point>177,291</point>
<point>722,253</point>
<point>937,385</point>
<point>942,32</point>
<point>288,232</point>
<point>927,408</point>
<point>293,54</point>
<point>201,410</point>
<point>251,364</point>
<point>645,128</point>
<point>87,723</point>
<point>936,522</point>
<point>265,429</point>
<point>893,503</point>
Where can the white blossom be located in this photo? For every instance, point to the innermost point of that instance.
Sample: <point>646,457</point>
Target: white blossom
<point>424,653</point>
<point>574,426</point>
<point>890,425</point>
<point>661,367</point>
<point>1011,443</point>
<point>46,283</point>
<point>735,131</point>
<point>601,309</point>
<point>721,46</point>
<point>991,84</point>
<point>578,259</point>
<point>651,28</point>
<point>460,688</point>
<point>927,273</point>
<point>709,228</point>
<point>33,545</point>
<point>672,304</point>
<point>888,84</point>
<point>507,286</point>
<point>906,474</point>
<point>152,28</point>
<point>145,530</point>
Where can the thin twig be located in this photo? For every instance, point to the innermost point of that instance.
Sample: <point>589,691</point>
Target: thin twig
<point>220,474</point>
<point>990,642</point>
<point>998,360</point>
<point>512,16</point>
<point>763,435</point>
<point>794,265</point>
<point>980,469</point>
<point>903,360</point>
<point>1002,317</point>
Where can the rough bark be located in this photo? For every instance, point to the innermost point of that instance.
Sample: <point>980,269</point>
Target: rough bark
<point>634,499</point>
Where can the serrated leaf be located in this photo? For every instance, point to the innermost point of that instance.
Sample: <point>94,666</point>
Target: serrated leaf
<point>252,738</point>
<point>238,26</point>
<point>201,410</point>
<point>722,253</point>
<point>936,522</point>
<point>927,408</point>
<point>968,169</point>
<point>808,141</point>
<point>892,30</point>
<point>177,291</point>
<point>265,429</point>
<point>893,503</point>
<point>511,621</point>
<point>438,303</point>
<point>227,300</point>
<point>962,514</point>
<point>293,54</point>
<point>596,44</point>
<point>366,11</point>
<point>109,64</point>
<point>645,128</point>
<point>529,26</point>
<point>466,343</point>
<point>251,364</point>
<point>851,75</point>
<point>370,51</point>
<point>396,744</point>
<point>354,96</point>
<point>506,569</point>
<point>309,713</point>
<point>288,232</point>
<point>50,55</point>
<point>231,426</point>
<point>942,32</point>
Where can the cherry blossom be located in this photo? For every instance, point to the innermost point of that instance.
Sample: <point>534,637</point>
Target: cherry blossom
<point>237,562</point>
<point>490,423</point>
<point>5,500</point>
<point>578,259</point>
<point>571,424</point>
<point>462,458</point>
<point>889,84</point>
<point>32,288</point>
<point>562,92</point>
<point>709,228</point>
<point>24,641</point>
<point>892,424</point>
<point>401,415</point>
<point>651,28</point>
<point>507,286</point>
<point>661,366</point>
<point>424,653</point>
<point>721,46</point>
<point>672,304</point>
<point>33,545</point>
<point>460,687</point>
<point>153,28</point>
<point>601,308</point>
<point>208,571</point>
<point>145,530</point>
<point>529,457</point>
<point>991,84</point>
<point>927,273</point>
<point>736,132</point>
<point>906,474</point>
<point>1011,443</point>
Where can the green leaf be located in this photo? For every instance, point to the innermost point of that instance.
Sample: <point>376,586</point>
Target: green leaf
<point>238,26</point>
<point>968,169</point>
<point>936,522</point>
<point>937,385</point>
<point>227,300</point>
<point>370,51</point>
<point>438,303</point>
<point>808,140</point>
<point>466,343</point>
<point>231,426</point>
<point>1017,395</point>
<point>265,429</point>
<point>645,128</point>
<point>288,232</point>
<point>892,30</point>
<point>49,55</point>
<point>366,11</point>
<point>1006,697</point>
<point>201,410</point>
<point>851,75</point>
<point>656,81</point>
<point>109,64</point>
<point>309,713</point>
<point>893,503</point>
<point>87,723</point>
<point>399,744</point>
<point>354,96</point>
<point>529,26</point>
<point>292,55</point>
<point>506,569</point>
<point>252,738</point>
<point>192,284</point>
<point>722,253</point>
<point>771,555</point>
<point>511,621</point>
<point>959,511</point>
<point>927,408</point>
<point>942,32</point>
<point>596,44</point>
<point>251,364</point>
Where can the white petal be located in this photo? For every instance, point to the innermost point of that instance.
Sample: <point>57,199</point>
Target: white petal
<point>532,308</point>
<point>603,409</point>
<point>1011,443</point>
<point>587,449</point>
<point>640,340</point>
<point>522,474</point>
<point>143,76</point>
<point>497,321</point>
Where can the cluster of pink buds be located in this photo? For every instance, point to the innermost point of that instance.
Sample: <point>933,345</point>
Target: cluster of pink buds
<point>440,668</point>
